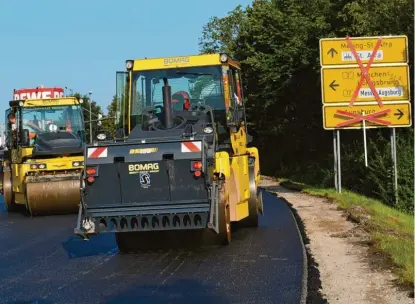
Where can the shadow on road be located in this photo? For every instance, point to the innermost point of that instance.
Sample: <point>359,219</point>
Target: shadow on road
<point>32,302</point>
<point>76,247</point>
<point>181,291</point>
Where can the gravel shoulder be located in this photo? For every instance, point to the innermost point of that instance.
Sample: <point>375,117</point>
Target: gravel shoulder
<point>341,268</point>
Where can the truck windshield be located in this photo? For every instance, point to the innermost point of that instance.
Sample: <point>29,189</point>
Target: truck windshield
<point>195,84</point>
<point>66,118</point>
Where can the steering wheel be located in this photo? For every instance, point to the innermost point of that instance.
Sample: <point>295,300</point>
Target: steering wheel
<point>153,125</point>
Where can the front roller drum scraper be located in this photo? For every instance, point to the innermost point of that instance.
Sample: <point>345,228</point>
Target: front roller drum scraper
<point>53,197</point>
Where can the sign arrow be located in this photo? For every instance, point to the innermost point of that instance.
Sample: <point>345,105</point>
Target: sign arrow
<point>400,114</point>
<point>332,51</point>
<point>332,85</point>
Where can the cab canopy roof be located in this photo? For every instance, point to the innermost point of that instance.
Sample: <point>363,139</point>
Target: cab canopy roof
<point>175,62</point>
<point>45,102</point>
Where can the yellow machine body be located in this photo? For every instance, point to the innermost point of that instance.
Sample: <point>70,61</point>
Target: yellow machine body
<point>46,184</point>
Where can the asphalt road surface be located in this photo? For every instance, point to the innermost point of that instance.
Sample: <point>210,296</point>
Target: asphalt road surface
<point>42,261</point>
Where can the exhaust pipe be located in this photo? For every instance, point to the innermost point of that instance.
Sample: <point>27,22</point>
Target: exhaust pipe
<point>167,104</point>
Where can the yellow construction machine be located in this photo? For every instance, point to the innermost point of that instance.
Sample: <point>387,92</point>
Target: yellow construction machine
<point>44,158</point>
<point>180,159</point>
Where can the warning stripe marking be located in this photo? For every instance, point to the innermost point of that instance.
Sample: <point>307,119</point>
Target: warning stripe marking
<point>97,152</point>
<point>191,146</point>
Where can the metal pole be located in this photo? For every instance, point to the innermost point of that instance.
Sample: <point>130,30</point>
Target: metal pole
<point>395,165</point>
<point>90,118</point>
<point>335,160</point>
<point>364,137</point>
<point>339,163</point>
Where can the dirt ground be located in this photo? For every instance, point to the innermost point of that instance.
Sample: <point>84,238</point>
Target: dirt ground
<point>341,270</point>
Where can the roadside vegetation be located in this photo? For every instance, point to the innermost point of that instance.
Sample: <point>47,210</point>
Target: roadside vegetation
<point>392,231</point>
<point>277,43</point>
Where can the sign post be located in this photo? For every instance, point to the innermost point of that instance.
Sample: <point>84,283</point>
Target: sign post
<point>365,85</point>
<point>395,165</point>
<point>335,161</point>
<point>364,137</point>
<point>339,170</point>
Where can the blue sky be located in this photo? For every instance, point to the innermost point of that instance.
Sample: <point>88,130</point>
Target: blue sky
<point>81,44</point>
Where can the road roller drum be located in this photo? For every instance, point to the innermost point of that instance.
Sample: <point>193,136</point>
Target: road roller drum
<point>55,194</point>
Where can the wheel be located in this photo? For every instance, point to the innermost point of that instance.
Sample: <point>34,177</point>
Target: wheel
<point>252,219</point>
<point>224,216</point>
<point>8,192</point>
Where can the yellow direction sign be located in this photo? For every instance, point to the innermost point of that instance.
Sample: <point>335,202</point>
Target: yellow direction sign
<point>392,115</point>
<point>336,51</point>
<point>390,81</point>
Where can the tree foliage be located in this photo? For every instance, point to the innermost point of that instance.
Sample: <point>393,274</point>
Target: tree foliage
<point>277,43</point>
<point>95,109</point>
<point>108,124</point>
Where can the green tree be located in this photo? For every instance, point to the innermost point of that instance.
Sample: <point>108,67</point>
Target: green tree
<point>95,110</point>
<point>277,43</point>
<point>109,121</point>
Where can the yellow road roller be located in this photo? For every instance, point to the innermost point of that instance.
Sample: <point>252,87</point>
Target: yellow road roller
<point>45,152</point>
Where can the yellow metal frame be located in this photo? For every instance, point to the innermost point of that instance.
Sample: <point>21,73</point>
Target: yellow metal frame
<point>50,102</point>
<point>176,62</point>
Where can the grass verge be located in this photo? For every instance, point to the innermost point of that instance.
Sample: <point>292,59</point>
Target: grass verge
<point>392,231</point>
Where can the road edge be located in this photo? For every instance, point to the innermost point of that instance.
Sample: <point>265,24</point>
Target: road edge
<point>304,288</point>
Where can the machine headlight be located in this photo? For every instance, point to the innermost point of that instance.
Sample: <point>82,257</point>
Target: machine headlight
<point>77,163</point>
<point>129,64</point>
<point>101,136</point>
<point>208,130</point>
<point>21,103</point>
<point>38,166</point>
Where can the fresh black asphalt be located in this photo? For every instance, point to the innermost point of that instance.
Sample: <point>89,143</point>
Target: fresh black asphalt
<point>42,261</point>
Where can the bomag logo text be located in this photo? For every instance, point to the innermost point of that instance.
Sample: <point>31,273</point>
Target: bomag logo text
<point>137,168</point>
<point>143,151</point>
<point>176,60</point>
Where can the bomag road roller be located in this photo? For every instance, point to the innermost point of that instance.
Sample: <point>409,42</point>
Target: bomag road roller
<point>180,158</point>
<point>45,154</point>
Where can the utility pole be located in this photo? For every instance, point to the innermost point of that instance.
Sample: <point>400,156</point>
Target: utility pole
<point>90,117</point>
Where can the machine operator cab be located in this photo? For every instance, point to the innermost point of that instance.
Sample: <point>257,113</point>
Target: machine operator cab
<point>189,83</point>
<point>30,122</point>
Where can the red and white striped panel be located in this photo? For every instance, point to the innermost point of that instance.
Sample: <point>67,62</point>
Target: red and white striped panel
<point>97,152</point>
<point>191,146</point>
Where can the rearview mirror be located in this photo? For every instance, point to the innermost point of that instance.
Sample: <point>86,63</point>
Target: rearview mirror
<point>25,138</point>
